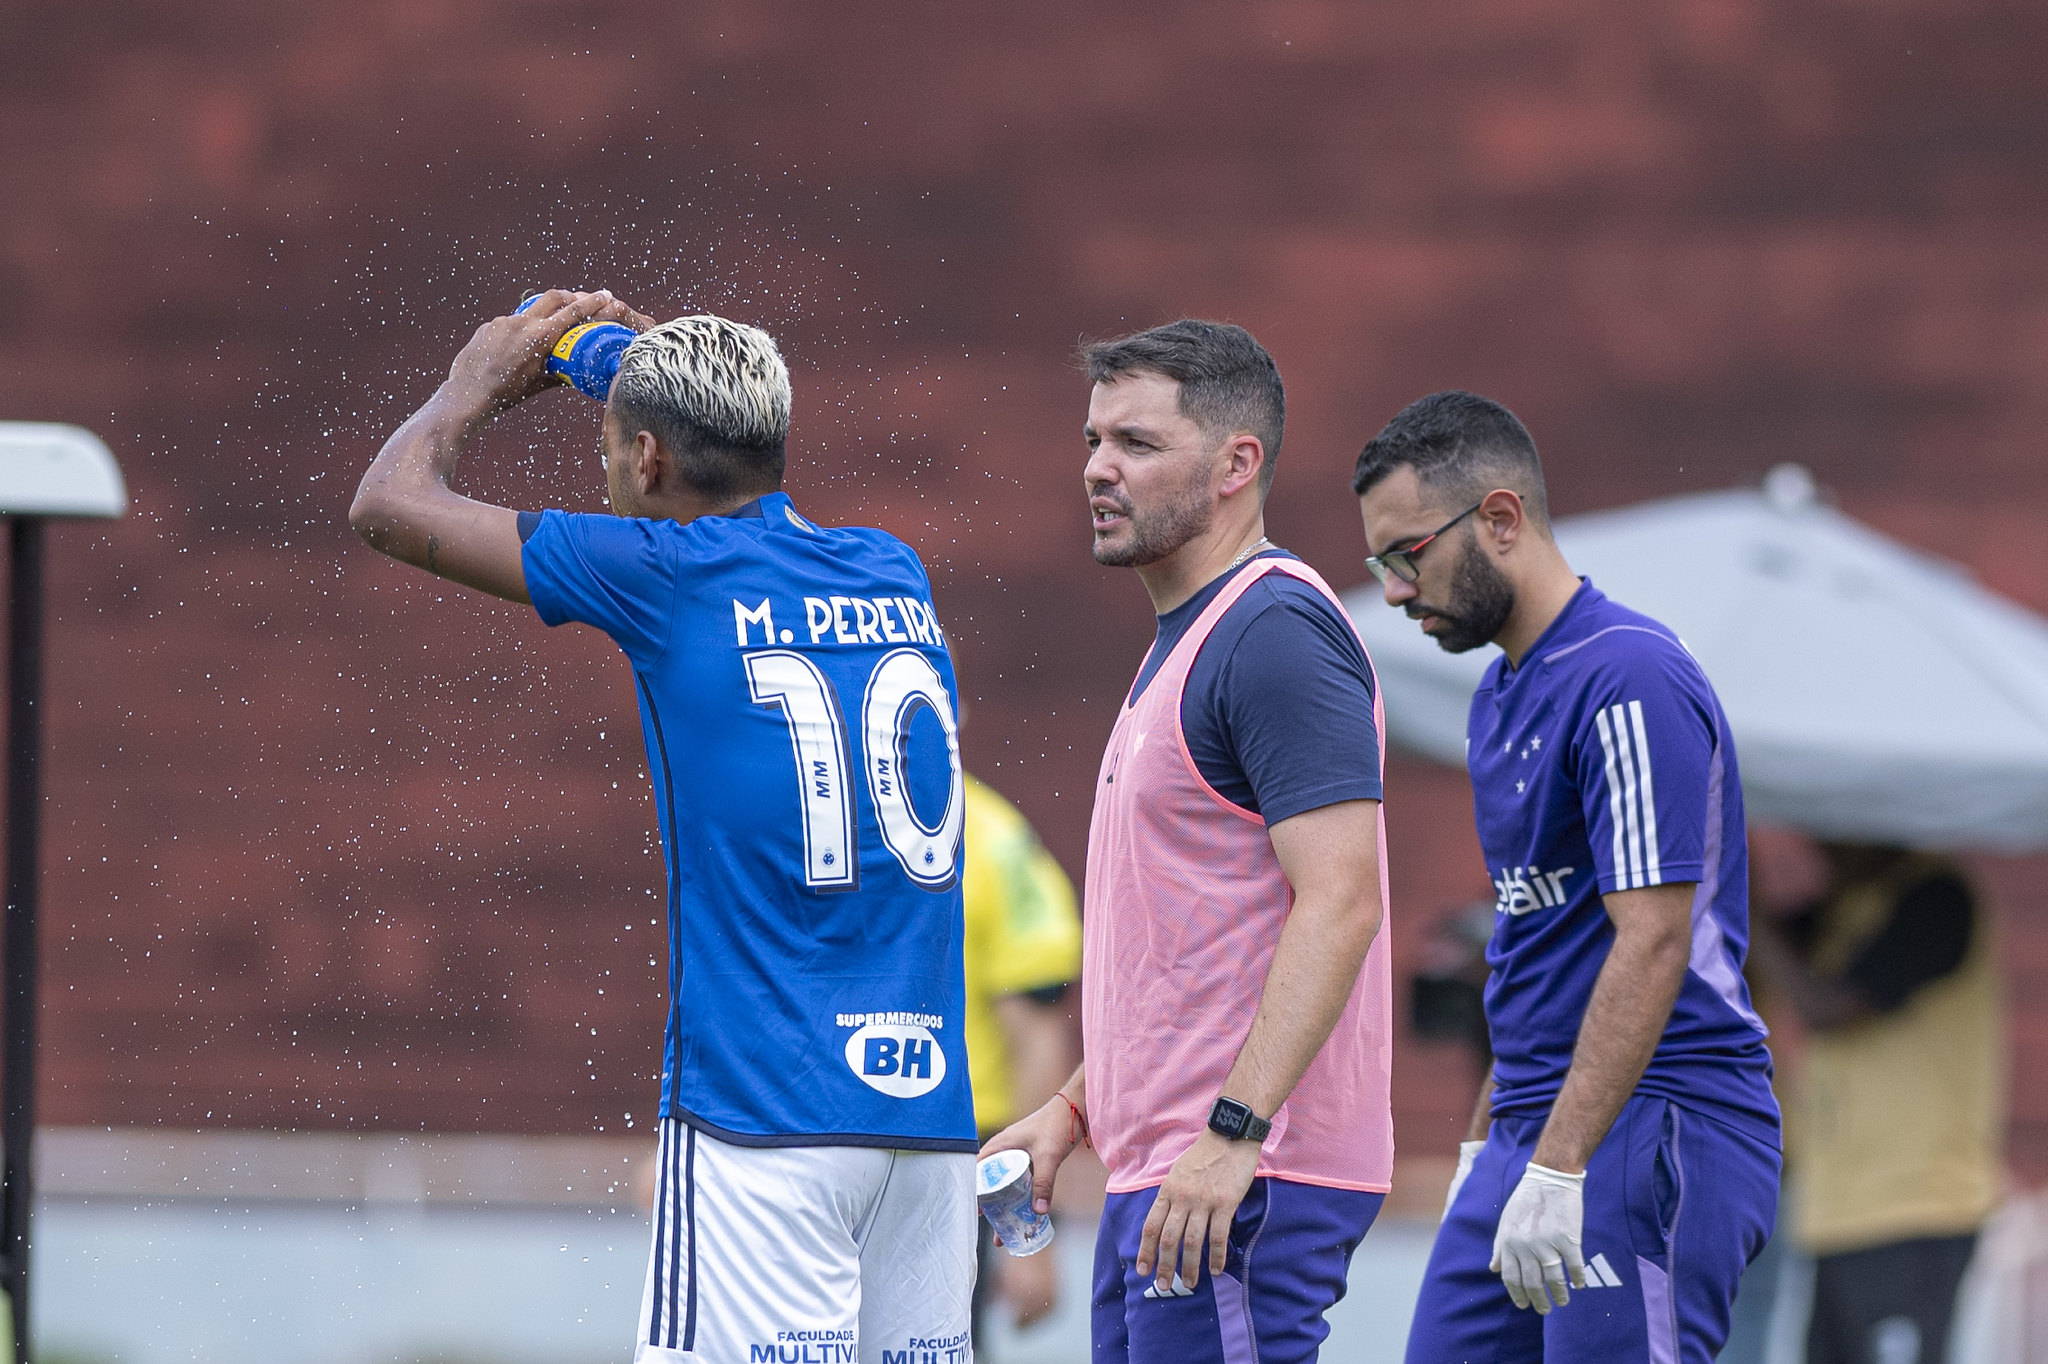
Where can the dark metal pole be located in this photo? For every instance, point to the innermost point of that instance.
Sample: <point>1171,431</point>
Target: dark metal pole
<point>18,938</point>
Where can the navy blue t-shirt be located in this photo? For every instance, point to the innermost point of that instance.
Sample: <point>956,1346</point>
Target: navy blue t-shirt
<point>1282,638</point>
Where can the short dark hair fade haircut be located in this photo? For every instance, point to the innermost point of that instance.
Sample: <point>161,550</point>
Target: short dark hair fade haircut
<point>1461,446</point>
<point>1228,381</point>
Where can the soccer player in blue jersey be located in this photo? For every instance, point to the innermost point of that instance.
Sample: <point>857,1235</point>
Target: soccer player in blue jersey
<point>1622,1166</point>
<point>797,703</point>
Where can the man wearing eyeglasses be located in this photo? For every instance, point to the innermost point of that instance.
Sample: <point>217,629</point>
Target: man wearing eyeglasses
<point>1622,1162</point>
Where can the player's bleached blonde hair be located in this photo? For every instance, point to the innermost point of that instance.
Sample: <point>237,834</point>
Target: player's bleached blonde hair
<point>717,394</point>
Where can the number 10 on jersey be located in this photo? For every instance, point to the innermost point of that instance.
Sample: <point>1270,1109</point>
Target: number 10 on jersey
<point>902,682</point>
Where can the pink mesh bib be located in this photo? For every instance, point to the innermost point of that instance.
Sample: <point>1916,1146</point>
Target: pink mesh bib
<point>1185,901</point>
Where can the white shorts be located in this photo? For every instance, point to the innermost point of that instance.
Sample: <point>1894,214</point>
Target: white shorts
<point>808,1255</point>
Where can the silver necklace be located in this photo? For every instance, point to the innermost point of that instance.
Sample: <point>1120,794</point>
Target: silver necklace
<point>1249,550</point>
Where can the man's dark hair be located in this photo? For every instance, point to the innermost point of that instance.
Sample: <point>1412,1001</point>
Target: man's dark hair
<point>1461,447</point>
<point>713,468</point>
<point>1228,381</point>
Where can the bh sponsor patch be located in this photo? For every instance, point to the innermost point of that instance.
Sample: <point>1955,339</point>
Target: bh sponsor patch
<point>895,1053</point>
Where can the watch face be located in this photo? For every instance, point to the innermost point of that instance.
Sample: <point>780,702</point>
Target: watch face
<point>1229,1117</point>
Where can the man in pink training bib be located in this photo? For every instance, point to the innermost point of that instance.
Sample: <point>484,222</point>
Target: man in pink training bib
<point>1234,979</point>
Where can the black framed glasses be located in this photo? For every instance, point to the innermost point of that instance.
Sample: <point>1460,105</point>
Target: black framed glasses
<point>1400,563</point>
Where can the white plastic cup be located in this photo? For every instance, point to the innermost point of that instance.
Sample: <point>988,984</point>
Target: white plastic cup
<point>1002,1190</point>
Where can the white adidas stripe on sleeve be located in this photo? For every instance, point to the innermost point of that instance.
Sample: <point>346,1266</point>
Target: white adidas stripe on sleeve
<point>1631,796</point>
<point>1614,814</point>
<point>1653,871</point>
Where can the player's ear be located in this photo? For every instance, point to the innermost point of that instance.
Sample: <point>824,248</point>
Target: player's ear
<point>645,463</point>
<point>1502,518</point>
<point>1243,457</point>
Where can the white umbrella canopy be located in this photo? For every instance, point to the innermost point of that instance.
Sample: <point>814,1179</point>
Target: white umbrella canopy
<point>1875,693</point>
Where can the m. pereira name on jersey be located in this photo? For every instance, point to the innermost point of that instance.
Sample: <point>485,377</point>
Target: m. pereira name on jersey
<point>895,1053</point>
<point>1517,890</point>
<point>843,620</point>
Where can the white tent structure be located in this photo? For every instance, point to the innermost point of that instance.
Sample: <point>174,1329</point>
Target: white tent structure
<point>49,469</point>
<point>1875,693</point>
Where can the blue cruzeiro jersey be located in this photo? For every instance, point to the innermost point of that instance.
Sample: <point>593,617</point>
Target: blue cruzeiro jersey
<point>1603,763</point>
<point>798,707</point>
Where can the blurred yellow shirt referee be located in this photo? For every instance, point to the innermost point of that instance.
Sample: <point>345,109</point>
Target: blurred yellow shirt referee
<point>1023,950</point>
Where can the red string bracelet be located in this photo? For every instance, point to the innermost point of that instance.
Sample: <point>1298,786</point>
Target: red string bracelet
<point>1076,1124</point>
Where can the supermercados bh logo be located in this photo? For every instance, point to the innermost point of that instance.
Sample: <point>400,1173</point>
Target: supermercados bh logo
<point>896,1052</point>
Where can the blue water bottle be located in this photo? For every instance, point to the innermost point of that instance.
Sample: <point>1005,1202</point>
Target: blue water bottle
<point>588,355</point>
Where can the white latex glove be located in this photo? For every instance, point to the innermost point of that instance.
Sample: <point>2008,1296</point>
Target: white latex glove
<point>1468,1151</point>
<point>1537,1247</point>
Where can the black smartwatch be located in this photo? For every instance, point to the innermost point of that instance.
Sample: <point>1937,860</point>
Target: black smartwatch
<point>1234,1120</point>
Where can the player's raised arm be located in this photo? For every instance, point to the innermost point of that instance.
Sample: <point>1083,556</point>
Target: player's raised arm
<point>405,506</point>
<point>767,1191</point>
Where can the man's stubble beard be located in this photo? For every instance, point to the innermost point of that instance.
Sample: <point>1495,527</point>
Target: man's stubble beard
<point>1481,600</point>
<point>1156,534</point>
